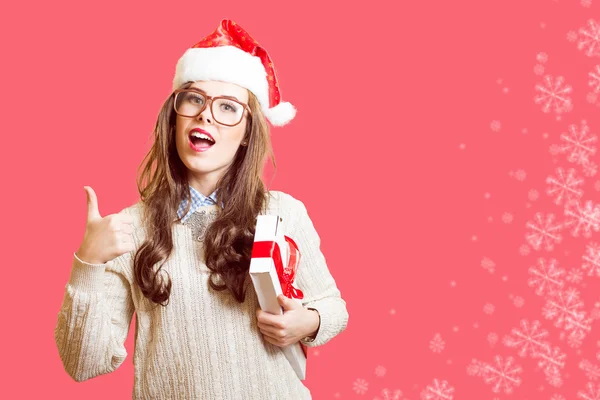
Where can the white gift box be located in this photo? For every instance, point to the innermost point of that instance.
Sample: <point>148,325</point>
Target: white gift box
<point>269,228</point>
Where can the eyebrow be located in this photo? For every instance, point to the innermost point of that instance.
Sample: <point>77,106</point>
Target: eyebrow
<point>224,95</point>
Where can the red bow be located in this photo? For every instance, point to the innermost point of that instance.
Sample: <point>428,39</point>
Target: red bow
<point>285,274</point>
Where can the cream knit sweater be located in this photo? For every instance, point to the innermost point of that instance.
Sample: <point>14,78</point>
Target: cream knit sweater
<point>203,344</point>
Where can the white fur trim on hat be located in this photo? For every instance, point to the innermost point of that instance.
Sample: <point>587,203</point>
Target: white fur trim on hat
<point>281,114</point>
<point>233,65</point>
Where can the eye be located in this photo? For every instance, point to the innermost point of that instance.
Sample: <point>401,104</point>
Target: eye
<point>229,106</point>
<point>195,98</point>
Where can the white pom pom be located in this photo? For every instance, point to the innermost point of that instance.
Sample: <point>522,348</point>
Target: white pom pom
<point>281,114</point>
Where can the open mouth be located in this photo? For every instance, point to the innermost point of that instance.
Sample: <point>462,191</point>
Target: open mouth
<point>200,140</point>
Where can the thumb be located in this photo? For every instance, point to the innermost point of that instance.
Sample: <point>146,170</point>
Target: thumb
<point>92,204</point>
<point>285,302</point>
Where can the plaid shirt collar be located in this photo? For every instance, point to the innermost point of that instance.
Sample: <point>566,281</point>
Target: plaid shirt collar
<point>198,200</point>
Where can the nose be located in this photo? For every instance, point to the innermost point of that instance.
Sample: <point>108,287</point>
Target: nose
<point>206,113</point>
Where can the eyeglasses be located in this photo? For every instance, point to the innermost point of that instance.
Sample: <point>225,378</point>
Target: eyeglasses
<point>190,103</point>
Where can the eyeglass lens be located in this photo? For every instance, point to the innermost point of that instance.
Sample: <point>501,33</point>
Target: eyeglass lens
<point>225,111</point>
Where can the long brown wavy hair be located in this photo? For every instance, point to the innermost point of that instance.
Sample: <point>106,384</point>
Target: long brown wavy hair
<point>163,184</point>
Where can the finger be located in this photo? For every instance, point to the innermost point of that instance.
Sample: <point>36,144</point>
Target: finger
<point>267,318</point>
<point>272,330</point>
<point>272,340</point>
<point>92,204</point>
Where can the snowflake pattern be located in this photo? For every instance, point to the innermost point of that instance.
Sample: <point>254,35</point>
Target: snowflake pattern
<point>589,39</point>
<point>503,375</point>
<point>594,80</point>
<point>562,305</point>
<point>584,218</point>
<point>591,370</point>
<point>438,390</point>
<point>579,143</point>
<point>387,394</point>
<point>360,386</point>
<point>488,264</point>
<point>591,259</point>
<point>529,339</point>
<point>552,362</point>
<point>554,95</point>
<point>565,186</point>
<point>543,232</point>
<point>546,277</point>
<point>436,344</point>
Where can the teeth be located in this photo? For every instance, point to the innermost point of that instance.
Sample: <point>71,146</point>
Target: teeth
<point>202,136</point>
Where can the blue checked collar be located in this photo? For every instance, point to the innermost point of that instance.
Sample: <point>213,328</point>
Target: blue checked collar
<point>198,200</point>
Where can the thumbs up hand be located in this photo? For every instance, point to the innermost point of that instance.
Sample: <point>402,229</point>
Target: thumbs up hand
<point>105,238</point>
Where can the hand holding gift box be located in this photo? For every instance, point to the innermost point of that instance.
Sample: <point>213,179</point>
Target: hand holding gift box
<point>274,262</point>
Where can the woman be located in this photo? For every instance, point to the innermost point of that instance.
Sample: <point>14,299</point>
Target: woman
<point>180,256</point>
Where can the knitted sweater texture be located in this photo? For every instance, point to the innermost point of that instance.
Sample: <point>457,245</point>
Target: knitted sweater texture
<point>203,344</point>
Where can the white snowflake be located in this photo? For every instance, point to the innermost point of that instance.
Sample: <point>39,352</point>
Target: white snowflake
<point>546,277</point>
<point>539,69</point>
<point>438,390</point>
<point>492,338</point>
<point>503,375</point>
<point>436,344</point>
<point>518,301</point>
<point>563,305</point>
<point>582,218</point>
<point>552,362</point>
<point>591,259</point>
<point>594,81</point>
<point>591,370</point>
<point>564,186</point>
<point>589,39</point>
<point>524,250</point>
<point>488,308</point>
<point>578,325</point>
<point>495,126</point>
<point>533,195</point>
<point>507,217</point>
<point>380,370</point>
<point>387,394</point>
<point>529,338</point>
<point>360,386</point>
<point>543,232</point>
<point>554,378</point>
<point>578,143</point>
<point>553,94</point>
<point>590,168</point>
<point>574,275</point>
<point>520,175</point>
<point>488,264</point>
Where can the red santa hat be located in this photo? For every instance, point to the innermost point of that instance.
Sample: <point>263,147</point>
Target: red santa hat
<point>230,54</point>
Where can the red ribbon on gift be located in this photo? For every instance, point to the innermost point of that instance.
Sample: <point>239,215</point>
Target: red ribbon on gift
<point>286,274</point>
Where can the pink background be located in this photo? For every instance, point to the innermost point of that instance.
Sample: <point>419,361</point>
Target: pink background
<point>418,149</point>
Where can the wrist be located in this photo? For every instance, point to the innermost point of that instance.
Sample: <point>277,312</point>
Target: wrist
<point>312,334</point>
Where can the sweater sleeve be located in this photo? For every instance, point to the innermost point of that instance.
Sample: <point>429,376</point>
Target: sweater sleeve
<point>94,318</point>
<point>315,280</point>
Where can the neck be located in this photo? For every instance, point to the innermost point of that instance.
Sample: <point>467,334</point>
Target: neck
<point>204,186</point>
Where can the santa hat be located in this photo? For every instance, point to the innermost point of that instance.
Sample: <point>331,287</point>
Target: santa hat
<point>230,54</point>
